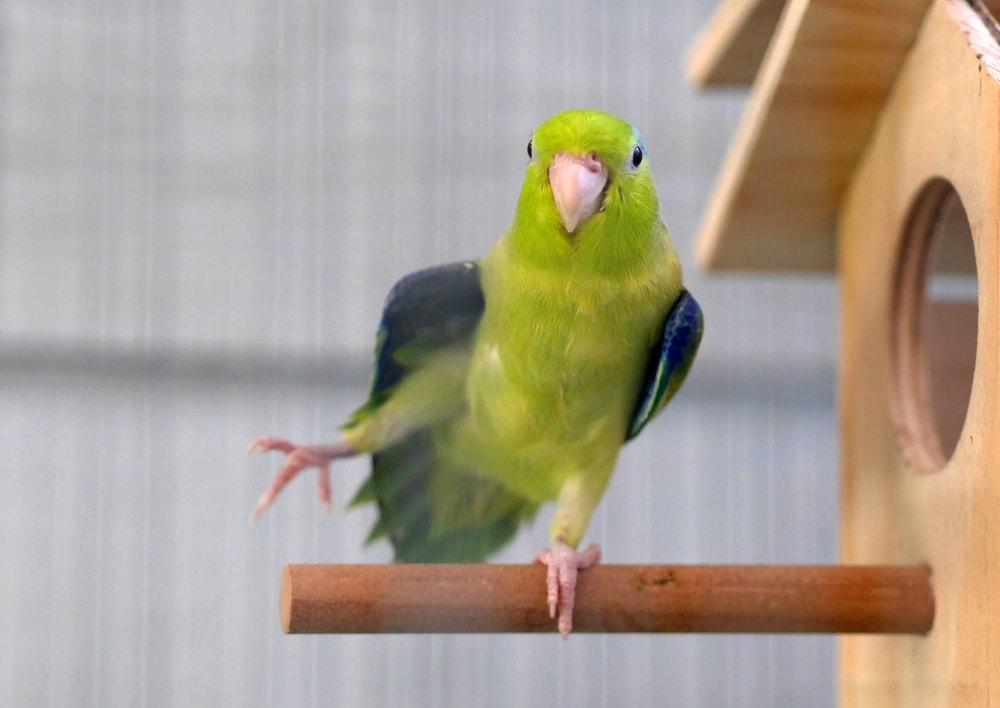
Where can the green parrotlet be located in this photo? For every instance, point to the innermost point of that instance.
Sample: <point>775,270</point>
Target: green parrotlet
<point>514,380</point>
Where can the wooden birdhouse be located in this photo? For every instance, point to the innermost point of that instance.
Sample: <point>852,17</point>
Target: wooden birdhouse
<point>871,146</point>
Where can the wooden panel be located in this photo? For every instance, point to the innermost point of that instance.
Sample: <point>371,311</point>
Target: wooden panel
<point>822,84</point>
<point>943,119</point>
<point>730,49</point>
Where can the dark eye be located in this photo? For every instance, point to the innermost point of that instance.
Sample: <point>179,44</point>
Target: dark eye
<point>637,156</point>
<point>529,149</point>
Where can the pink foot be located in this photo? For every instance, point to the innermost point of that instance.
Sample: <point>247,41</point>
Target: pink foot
<point>563,563</point>
<point>299,457</point>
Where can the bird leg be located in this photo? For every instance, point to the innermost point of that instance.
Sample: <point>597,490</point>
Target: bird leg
<point>563,563</point>
<point>299,458</point>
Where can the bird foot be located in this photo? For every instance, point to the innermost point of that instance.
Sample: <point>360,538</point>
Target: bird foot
<point>563,563</point>
<point>299,458</point>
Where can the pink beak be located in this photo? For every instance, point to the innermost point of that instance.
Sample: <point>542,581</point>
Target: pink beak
<point>578,187</point>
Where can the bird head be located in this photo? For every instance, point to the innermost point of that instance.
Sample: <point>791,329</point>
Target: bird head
<point>588,192</point>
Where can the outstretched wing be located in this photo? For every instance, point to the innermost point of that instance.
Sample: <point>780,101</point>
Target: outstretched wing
<point>670,360</point>
<point>426,312</point>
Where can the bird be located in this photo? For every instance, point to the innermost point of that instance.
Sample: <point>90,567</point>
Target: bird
<point>504,383</point>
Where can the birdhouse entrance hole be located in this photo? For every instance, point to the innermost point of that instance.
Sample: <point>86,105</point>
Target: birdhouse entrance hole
<point>935,314</point>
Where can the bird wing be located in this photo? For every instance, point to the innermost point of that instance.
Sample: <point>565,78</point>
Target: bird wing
<point>429,511</point>
<point>670,360</point>
<point>425,312</point>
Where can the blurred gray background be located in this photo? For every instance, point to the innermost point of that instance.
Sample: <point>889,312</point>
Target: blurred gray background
<point>202,207</point>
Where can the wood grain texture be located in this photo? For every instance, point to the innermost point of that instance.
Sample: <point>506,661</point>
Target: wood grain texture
<point>942,121</point>
<point>730,49</point>
<point>449,598</point>
<point>812,109</point>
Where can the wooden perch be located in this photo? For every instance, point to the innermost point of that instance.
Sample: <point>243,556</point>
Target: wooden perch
<point>473,598</point>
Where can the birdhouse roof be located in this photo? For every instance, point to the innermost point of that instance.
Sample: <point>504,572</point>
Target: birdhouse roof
<point>821,72</point>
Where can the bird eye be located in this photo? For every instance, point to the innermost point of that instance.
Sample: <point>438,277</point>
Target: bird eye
<point>637,156</point>
<point>529,149</point>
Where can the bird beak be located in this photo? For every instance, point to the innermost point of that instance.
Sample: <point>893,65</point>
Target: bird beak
<point>578,184</point>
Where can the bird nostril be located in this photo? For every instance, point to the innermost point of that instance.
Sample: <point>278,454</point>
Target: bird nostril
<point>593,163</point>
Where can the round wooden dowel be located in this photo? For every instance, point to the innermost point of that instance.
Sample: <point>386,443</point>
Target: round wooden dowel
<point>474,598</point>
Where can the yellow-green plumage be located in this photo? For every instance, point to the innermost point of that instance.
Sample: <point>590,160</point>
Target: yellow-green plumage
<point>531,400</point>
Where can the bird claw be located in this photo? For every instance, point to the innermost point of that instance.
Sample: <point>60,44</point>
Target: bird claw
<point>267,444</point>
<point>299,458</point>
<point>563,564</point>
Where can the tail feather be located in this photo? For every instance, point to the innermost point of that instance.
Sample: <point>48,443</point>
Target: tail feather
<point>425,529</point>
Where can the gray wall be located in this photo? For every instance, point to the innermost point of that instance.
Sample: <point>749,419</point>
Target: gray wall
<point>202,206</point>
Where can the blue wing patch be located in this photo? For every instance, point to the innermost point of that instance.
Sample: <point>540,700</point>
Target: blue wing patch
<point>670,361</point>
<point>426,311</point>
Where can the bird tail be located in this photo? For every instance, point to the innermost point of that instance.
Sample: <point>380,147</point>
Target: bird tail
<point>433,514</point>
